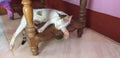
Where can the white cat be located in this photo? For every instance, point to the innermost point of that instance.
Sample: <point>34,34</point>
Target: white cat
<point>50,16</point>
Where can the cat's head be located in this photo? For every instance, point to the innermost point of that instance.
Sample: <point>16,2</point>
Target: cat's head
<point>63,21</point>
<point>65,18</point>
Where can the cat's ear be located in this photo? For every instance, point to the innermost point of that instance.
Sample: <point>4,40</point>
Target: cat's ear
<point>61,15</point>
<point>39,13</point>
<point>68,17</point>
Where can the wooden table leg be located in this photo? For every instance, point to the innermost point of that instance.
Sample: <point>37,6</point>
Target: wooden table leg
<point>82,16</point>
<point>30,30</point>
<point>42,4</point>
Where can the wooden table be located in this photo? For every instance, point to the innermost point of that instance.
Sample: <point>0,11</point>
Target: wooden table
<point>32,35</point>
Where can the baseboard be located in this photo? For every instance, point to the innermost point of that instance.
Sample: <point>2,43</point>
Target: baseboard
<point>102,23</point>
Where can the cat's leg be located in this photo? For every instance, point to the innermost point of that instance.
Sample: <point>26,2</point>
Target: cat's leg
<point>19,29</point>
<point>66,33</point>
<point>44,27</point>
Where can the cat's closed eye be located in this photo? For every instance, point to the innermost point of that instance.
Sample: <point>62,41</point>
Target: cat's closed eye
<point>62,16</point>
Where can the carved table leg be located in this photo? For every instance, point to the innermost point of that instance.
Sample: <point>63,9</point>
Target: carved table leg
<point>30,30</point>
<point>42,4</point>
<point>82,16</point>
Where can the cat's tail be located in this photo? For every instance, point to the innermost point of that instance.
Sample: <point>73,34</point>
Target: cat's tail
<point>17,32</point>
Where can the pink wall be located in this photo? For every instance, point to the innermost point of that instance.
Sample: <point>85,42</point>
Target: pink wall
<point>110,7</point>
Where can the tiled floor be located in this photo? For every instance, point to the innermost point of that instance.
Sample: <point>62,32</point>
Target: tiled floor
<point>90,45</point>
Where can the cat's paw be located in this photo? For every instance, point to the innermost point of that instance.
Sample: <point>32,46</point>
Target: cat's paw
<point>40,30</point>
<point>66,36</point>
<point>11,45</point>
